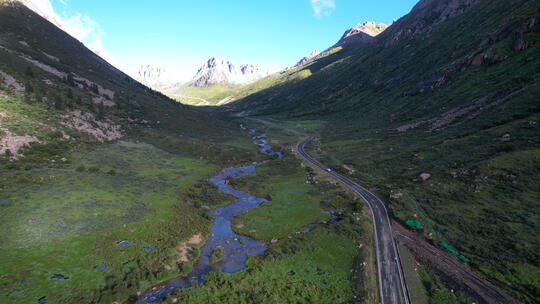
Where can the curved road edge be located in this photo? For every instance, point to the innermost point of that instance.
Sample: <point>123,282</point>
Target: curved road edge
<point>392,286</point>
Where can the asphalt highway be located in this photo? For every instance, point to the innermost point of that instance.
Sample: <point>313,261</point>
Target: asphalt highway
<point>392,286</point>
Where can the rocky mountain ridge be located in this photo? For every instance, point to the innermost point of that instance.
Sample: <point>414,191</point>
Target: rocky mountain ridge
<point>362,33</point>
<point>221,71</point>
<point>42,8</point>
<point>424,17</point>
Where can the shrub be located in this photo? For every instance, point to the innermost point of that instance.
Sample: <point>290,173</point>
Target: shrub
<point>69,94</point>
<point>112,172</point>
<point>93,169</point>
<point>81,168</point>
<point>4,203</point>
<point>94,88</point>
<point>28,72</point>
<point>11,166</point>
<point>55,134</point>
<point>100,111</point>
<point>59,103</point>
<point>69,80</point>
<point>217,255</point>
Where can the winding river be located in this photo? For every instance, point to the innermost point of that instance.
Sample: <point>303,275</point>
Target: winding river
<point>236,248</point>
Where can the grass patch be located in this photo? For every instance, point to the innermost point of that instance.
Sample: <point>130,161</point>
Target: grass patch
<point>290,207</point>
<point>437,292</point>
<point>417,292</point>
<point>317,267</point>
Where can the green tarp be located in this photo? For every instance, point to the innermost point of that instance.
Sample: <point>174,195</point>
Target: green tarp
<point>454,252</point>
<point>414,223</point>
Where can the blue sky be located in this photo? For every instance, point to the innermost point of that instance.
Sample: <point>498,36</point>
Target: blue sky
<point>181,35</point>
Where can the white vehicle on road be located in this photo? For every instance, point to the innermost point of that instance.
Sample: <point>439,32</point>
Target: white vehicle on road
<point>329,170</point>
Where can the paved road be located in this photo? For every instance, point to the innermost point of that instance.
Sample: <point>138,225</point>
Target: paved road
<point>392,287</point>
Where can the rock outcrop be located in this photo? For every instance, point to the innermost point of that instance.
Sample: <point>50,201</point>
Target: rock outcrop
<point>362,33</point>
<point>221,71</point>
<point>308,58</point>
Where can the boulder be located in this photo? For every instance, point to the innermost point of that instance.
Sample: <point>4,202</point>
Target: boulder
<point>425,176</point>
<point>506,138</point>
<point>396,195</point>
<point>521,45</point>
<point>478,60</point>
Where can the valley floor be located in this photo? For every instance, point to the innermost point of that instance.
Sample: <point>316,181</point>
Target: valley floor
<point>124,216</point>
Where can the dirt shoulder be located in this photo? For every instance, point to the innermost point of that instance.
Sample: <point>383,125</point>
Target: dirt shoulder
<point>456,274</point>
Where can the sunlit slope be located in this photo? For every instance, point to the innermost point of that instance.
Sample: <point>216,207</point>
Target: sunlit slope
<point>450,90</point>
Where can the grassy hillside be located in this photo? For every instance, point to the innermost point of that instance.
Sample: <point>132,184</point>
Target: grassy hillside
<point>203,96</point>
<point>449,90</point>
<point>97,172</point>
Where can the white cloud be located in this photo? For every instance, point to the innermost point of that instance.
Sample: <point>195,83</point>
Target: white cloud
<point>323,7</point>
<point>81,27</point>
<point>88,31</point>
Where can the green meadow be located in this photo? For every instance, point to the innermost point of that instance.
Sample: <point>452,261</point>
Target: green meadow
<point>71,220</point>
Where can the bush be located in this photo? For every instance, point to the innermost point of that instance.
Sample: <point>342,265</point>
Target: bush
<point>93,169</point>
<point>81,168</point>
<point>69,80</point>
<point>28,72</point>
<point>59,103</point>
<point>217,255</point>
<point>112,172</point>
<point>94,88</point>
<point>11,166</point>
<point>69,94</point>
<point>4,203</point>
<point>55,134</point>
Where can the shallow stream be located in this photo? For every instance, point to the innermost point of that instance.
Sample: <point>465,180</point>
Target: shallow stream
<point>235,251</point>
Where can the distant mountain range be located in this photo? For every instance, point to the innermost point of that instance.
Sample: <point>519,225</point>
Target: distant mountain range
<point>154,76</point>
<point>221,71</point>
<point>214,71</point>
